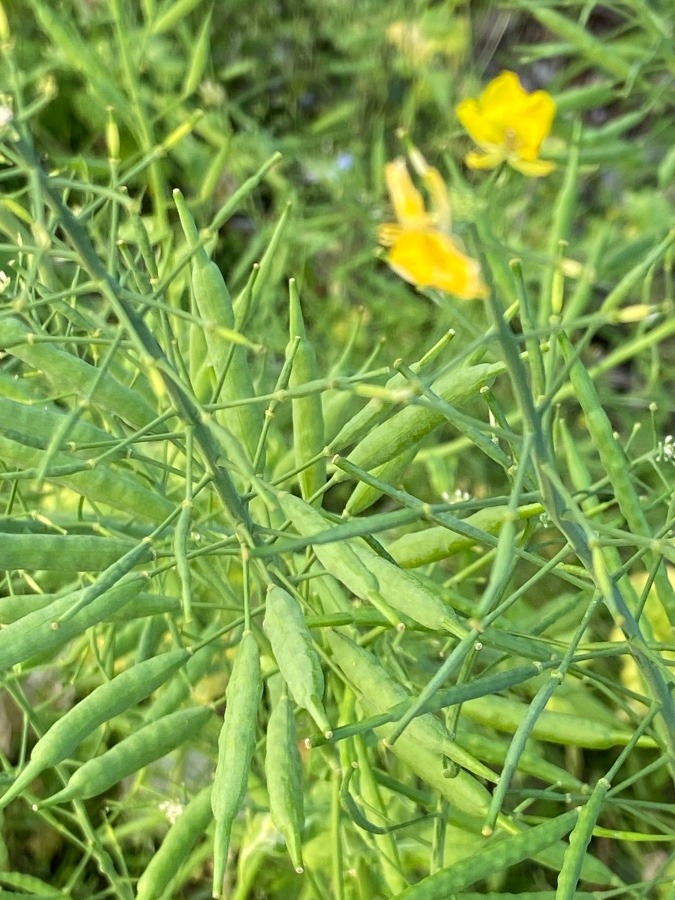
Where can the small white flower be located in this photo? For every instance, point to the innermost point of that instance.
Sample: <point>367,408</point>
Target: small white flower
<point>458,496</point>
<point>6,116</point>
<point>172,809</point>
<point>665,449</point>
<point>4,281</point>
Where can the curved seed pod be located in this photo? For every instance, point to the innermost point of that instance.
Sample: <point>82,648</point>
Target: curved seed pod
<point>338,557</point>
<point>412,423</point>
<point>105,702</point>
<point>294,651</point>
<point>41,632</point>
<point>176,846</point>
<point>379,692</point>
<point>505,714</point>
<point>367,574</point>
<point>491,859</point>
<point>235,749</point>
<point>114,488</point>
<point>283,768</point>
<point>132,754</point>
<point>71,374</point>
<point>229,361</point>
<point>431,544</point>
<point>308,427</point>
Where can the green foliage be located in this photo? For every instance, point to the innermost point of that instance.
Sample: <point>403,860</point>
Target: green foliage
<point>408,610</point>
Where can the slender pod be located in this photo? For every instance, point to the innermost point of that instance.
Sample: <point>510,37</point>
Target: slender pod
<point>214,304</point>
<point>283,769</point>
<point>580,838</point>
<point>308,426</point>
<point>575,855</point>
<point>113,488</point>
<point>369,576</point>
<point>378,692</point>
<point>40,420</point>
<point>151,742</point>
<point>419,548</point>
<point>390,861</point>
<point>405,592</point>
<point>200,57</point>
<point>338,558</point>
<point>176,846</point>
<point>104,703</point>
<point>361,423</point>
<point>294,651</point>
<point>364,495</point>
<point>235,749</point>
<point>581,39</point>
<point>414,422</point>
<point>182,532</point>
<point>179,688</point>
<point>30,886</point>
<point>109,578</point>
<point>60,552</point>
<point>71,374</point>
<point>41,632</point>
<point>17,606</point>
<point>498,854</point>
<point>329,591</point>
<point>505,714</point>
<point>618,470</point>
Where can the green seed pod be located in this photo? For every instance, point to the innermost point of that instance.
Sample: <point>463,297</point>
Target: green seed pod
<point>69,373</point>
<point>113,488</point>
<point>283,768</point>
<point>61,552</point>
<point>364,495</point>
<point>378,692</point>
<point>495,857</point>
<point>176,846</point>
<point>308,427</point>
<point>505,714</point>
<point>414,422</point>
<point>229,362</point>
<point>144,746</point>
<point>105,702</point>
<point>431,544</point>
<point>294,651</point>
<point>235,749</point>
<point>145,604</point>
<point>356,426</point>
<point>41,632</point>
<point>170,698</point>
<point>580,838</point>
<point>200,58</point>
<point>370,576</point>
<point>338,558</point>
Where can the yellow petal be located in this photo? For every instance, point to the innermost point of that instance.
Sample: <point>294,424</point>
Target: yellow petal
<point>504,90</point>
<point>535,168</point>
<point>533,123</point>
<point>406,199</point>
<point>507,117</point>
<point>388,233</point>
<point>438,192</point>
<point>483,130</point>
<point>490,160</point>
<point>431,259</point>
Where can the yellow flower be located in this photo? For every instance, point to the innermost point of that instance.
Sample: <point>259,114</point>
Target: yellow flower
<point>508,124</point>
<point>421,250</point>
